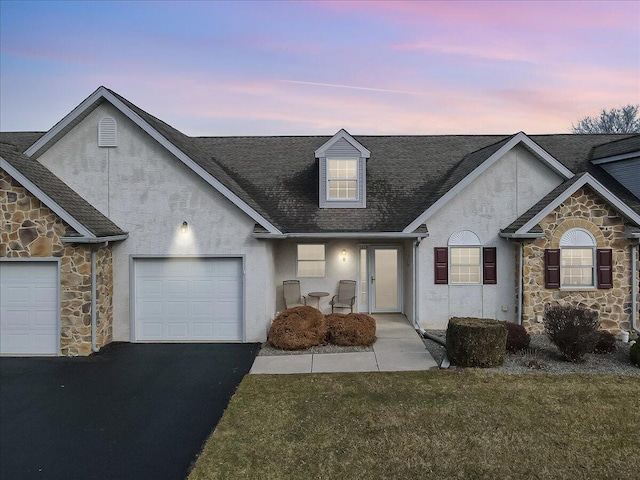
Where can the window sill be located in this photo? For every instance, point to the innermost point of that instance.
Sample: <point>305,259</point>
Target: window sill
<point>578,289</point>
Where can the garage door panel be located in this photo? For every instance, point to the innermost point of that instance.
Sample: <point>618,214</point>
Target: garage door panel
<point>29,308</point>
<point>201,299</point>
<point>150,287</point>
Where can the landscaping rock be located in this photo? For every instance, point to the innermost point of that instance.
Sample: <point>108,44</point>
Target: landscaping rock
<point>353,329</point>
<point>298,328</point>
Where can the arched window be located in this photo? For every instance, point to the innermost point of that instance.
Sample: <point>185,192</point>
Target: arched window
<point>577,258</point>
<point>464,257</point>
<point>107,132</point>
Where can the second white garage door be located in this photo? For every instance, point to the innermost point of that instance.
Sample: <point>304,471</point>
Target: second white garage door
<point>188,299</point>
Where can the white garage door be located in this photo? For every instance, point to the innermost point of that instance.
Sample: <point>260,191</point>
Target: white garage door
<point>188,299</point>
<point>29,308</point>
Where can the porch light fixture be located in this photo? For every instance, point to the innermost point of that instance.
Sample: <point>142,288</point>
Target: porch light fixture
<point>184,228</point>
<point>344,255</point>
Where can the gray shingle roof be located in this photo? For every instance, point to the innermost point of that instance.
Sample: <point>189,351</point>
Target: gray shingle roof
<point>60,193</point>
<point>617,147</point>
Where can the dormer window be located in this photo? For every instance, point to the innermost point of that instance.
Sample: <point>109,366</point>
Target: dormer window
<point>342,179</point>
<point>342,167</point>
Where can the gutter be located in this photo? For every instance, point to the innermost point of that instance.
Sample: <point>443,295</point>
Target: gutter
<point>94,294</point>
<point>515,236</point>
<point>113,238</point>
<point>520,282</point>
<point>395,235</point>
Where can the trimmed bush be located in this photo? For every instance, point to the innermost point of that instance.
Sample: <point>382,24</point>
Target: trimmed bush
<point>573,330</point>
<point>353,329</point>
<point>606,342</point>
<point>298,328</point>
<point>476,342</point>
<point>634,354</point>
<point>517,337</point>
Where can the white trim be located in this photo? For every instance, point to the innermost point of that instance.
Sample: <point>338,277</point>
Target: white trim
<point>371,235</point>
<point>112,238</point>
<point>615,158</point>
<point>58,262</point>
<point>600,190</point>
<point>44,198</point>
<point>342,134</point>
<point>132,293</point>
<point>520,137</point>
<point>577,237</point>
<point>464,238</point>
<point>102,92</point>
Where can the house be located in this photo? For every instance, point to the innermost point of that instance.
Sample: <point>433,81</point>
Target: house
<point>116,226</point>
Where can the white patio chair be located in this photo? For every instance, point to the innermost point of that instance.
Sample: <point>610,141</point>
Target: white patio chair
<point>292,296</point>
<point>346,296</point>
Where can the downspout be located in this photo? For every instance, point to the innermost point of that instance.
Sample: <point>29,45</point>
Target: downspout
<point>634,288</point>
<point>94,294</point>
<point>416,323</point>
<point>520,282</point>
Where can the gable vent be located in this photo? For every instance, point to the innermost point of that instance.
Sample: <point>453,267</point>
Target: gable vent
<point>107,129</point>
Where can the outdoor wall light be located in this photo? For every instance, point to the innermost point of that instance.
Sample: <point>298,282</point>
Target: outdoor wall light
<point>344,255</point>
<point>184,228</point>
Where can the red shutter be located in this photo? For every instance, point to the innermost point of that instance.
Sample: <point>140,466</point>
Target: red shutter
<point>604,267</point>
<point>441,265</point>
<point>489,266</point>
<point>552,268</point>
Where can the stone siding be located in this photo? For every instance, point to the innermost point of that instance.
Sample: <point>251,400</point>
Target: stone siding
<point>29,230</point>
<point>584,209</point>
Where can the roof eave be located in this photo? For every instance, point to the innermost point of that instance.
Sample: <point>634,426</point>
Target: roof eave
<point>353,235</point>
<point>111,238</point>
<point>515,235</point>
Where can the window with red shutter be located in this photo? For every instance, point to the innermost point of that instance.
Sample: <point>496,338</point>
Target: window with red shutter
<point>441,265</point>
<point>489,266</point>
<point>552,268</point>
<point>604,267</point>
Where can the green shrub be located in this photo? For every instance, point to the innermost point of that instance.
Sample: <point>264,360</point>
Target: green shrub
<point>517,337</point>
<point>634,354</point>
<point>573,330</point>
<point>353,329</point>
<point>298,328</point>
<point>476,342</point>
<point>606,342</point>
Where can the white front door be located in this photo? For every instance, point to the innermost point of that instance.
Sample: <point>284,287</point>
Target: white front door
<point>380,279</point>
<point>29,308</point>
<point>188,299</point>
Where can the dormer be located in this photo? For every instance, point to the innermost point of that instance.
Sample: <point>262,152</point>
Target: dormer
<point>343,172</point>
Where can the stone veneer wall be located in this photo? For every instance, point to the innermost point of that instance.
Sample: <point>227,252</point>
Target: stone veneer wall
<point>30,229</point>
<point>584,209</point>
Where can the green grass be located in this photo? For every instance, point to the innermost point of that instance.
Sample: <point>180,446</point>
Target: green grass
<point>453,424</point>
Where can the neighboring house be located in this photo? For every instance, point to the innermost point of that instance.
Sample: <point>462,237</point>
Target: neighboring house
<point>119,227</point>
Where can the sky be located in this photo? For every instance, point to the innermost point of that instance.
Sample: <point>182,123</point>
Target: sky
<point>311,68</point>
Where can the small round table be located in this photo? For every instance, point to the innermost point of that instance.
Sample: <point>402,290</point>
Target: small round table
<point>318,296</point>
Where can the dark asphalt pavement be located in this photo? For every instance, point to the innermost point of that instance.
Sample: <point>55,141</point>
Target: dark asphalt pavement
<point>132,411</point>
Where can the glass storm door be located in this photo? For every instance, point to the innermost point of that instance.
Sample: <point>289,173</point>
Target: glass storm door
<point>380,279</point>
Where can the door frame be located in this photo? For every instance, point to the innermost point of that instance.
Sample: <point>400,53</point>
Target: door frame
<point>132,292</point>
<point>371,248</point>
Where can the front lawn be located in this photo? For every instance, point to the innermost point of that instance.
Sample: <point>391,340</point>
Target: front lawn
<point>453,424</point>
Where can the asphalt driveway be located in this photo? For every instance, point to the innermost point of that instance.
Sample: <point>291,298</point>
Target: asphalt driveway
<point>131,411</point>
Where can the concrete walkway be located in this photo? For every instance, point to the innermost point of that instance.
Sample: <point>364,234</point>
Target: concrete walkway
<point>397,348</point>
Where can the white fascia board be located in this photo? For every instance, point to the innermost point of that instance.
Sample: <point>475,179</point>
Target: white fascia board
<point>342,134</point>
<point>134,117</point>
<point>520,137</point>
<point>46,199</point>
<point>70,117</point>
<point>112,238</point>
<point>396,235</point>
<point>615,158</point>
<point>600,189</point>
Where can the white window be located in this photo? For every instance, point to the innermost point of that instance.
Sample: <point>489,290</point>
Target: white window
<point>465,265</point>
<point>464,258</point>
<point>311,260</point>
<point>342,178</point>
<point>577,259</point>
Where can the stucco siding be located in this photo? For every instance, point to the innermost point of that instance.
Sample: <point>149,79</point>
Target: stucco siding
<point>149,193</point>
<point>491,202</point>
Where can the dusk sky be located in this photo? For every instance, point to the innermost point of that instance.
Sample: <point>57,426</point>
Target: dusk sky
<point>307,68</point>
